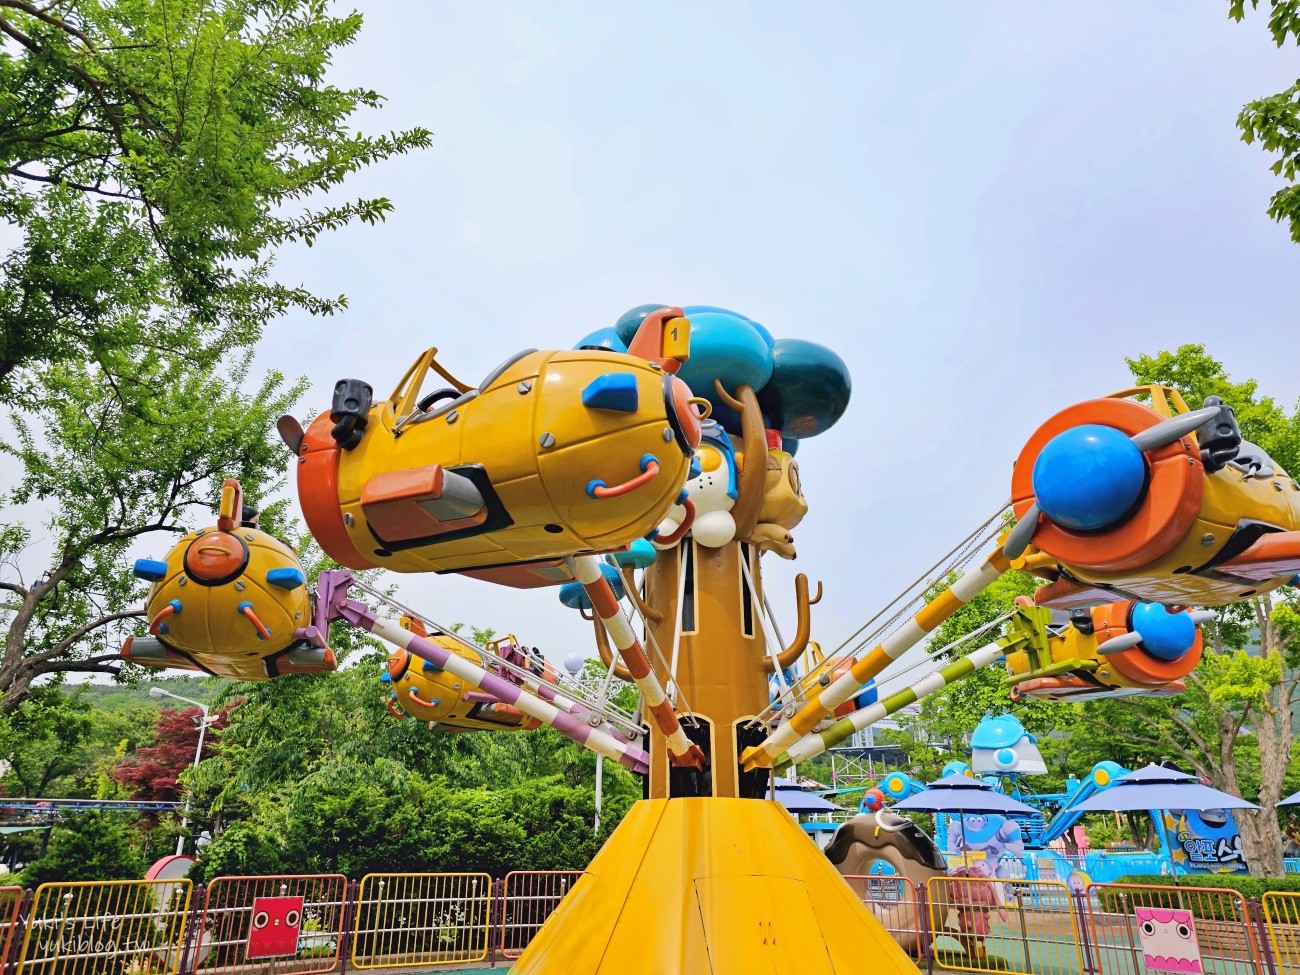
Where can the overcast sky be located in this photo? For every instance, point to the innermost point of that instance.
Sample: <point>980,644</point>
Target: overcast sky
<point>982,207</point>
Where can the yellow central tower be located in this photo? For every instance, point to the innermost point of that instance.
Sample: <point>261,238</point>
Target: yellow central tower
<point>708,875</point>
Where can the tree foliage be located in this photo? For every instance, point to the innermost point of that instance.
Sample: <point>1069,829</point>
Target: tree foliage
<point>55,744</point>
<point>1274,121</point>
<point>126,460</point>
<point>313,771</point>
<point>155,155</point>
<point>92,846</point>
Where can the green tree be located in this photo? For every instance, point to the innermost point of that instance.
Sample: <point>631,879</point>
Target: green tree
<point>45,741</point>
<point>1274,121</point>
<point>122,460</point>
<point>90,846</point>
<point>155,154</point>
<point>1248,683</point>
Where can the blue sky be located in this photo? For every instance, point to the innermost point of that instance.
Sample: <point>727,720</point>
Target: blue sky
<point>982,207</point>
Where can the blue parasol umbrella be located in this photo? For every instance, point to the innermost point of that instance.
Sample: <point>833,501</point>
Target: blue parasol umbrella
<point>1155,788</point>
<point>797,800</point>
<point>1292,800</point>
<point>963,795</point>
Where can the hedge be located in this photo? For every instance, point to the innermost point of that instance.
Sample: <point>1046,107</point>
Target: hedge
<point>1209,908</point>
<point>1252,888</point>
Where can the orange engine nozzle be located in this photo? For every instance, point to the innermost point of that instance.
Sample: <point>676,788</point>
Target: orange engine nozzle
<point>1166,509</point>
<point>215,557</point>
<point>682,415</point>
<point>398,663</point>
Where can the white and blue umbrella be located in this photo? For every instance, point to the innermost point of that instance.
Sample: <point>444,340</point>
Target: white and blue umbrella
<point>797,800</point>
<point>1155,787</point>
<point>962,795</point>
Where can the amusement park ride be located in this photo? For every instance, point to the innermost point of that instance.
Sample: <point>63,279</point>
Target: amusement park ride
<point>645,473</point>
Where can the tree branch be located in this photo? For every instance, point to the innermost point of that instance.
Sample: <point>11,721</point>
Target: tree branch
<point>58,181</point>
<point>66,644</point>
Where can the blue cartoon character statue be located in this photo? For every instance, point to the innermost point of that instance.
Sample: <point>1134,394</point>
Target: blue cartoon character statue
<point>712,490</point>
<point>1001,746</point>
<point>994,836</point>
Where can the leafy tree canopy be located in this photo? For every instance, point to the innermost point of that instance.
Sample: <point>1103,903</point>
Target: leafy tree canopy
<point>155,154</point>
<point>1274,120</point>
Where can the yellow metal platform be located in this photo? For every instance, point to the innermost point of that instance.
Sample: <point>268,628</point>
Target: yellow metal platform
<point>711,887</point>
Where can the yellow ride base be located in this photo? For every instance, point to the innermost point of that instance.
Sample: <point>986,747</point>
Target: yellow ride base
<point>711,887</point>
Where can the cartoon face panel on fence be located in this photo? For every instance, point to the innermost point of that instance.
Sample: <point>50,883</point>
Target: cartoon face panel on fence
<point>1168,940</point>
<point>276,924</point>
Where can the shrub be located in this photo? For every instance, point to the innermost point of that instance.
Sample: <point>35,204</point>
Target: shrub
<point>1201,906</point>
<point>89,846</point>
<point>1252,888</point>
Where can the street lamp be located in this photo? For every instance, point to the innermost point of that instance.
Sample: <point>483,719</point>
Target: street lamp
<point>156,693</point>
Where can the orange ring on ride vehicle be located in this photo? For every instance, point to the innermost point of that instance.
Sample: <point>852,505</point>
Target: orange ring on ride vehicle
<point>1135,664</point>
<point>318,494</point>
<point>1169,507</point>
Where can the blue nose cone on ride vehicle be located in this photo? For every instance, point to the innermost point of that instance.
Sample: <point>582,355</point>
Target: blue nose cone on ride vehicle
<point>1165,635</point>
<point>1088,477</point>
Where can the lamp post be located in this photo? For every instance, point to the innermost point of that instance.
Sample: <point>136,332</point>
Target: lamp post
<point>158,692</point>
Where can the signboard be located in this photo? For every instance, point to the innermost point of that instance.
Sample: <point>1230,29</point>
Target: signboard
<point>1168,940</point>
<point>275,927</point>
<point>1205,841</point>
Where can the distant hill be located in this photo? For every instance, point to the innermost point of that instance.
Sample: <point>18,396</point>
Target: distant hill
<point>119,697</point>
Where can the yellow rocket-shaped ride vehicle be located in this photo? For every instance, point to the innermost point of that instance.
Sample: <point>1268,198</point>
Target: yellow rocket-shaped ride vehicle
<point>1137,497</point>
<point>553,453</point>
<point>229,600</point>
<point>1119,649</point>
<point>422,690</point>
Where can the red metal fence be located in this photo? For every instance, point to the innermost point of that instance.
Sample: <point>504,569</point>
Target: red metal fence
<point>528,898</point>
<point>317,924</point>
<point>288,925</point>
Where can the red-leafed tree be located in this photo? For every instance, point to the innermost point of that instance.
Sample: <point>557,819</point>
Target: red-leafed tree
<point>154,773</point>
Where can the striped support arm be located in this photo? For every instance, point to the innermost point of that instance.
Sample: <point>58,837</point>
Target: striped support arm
<point>605,603</point>
<point>595,739</point>
<point>814,744</point>
<point>824,703</point>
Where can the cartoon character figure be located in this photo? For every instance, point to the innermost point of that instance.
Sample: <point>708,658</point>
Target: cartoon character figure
<point>1168,940</point>
<point>973,903</point>
<point>993,836</point>
<point>711,488</point>
<point>276,923</point>
<point>1001,745</point>
<point>784,505</point>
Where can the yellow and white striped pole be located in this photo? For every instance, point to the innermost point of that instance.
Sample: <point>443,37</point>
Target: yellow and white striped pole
<point>810,746</point>
<point>824,703</point>
<point>605,603</point>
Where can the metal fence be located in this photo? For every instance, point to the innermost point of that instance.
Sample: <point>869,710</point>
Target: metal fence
<point>528,898</point>
<point>992,925</point>
<point>899,906</point>
<point>1281,914</point>
<point>286,925</point>
<point>317,924</point>
<point>105,927</point>
<point>412,919</point>
<point>1134,928</point>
